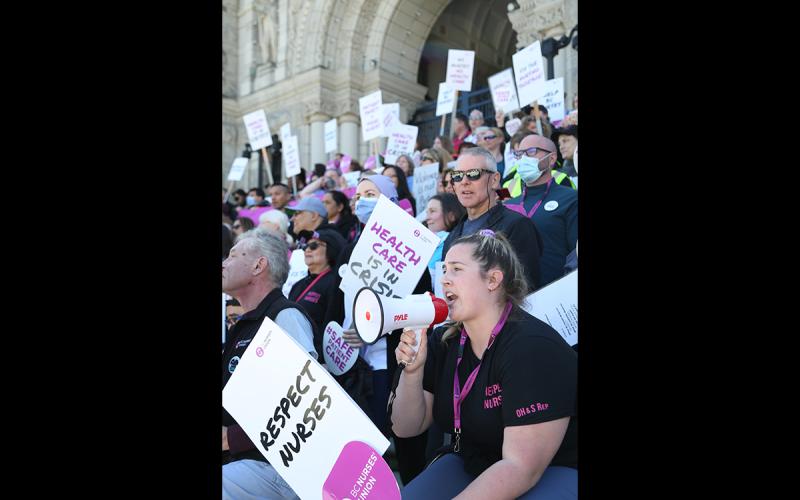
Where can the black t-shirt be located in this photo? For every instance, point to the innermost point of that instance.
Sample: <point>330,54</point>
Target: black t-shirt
<point>528,376</point>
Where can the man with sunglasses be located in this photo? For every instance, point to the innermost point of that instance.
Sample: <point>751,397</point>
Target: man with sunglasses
<point>553,208</point>
<point>475,180</point>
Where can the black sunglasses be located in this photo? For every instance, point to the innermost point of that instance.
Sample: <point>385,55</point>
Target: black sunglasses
<point>473,175</point>
<point>314,245</point>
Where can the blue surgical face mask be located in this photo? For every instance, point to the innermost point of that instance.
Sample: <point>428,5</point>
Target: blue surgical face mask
<point>364,208</point>
<point>251,200</point>
<point>528,169</point>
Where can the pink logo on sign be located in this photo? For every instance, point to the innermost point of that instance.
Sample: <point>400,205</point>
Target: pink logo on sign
<point>259,352</point>
<point>360,472</point>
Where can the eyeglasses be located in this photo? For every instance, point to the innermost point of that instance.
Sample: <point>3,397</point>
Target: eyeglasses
<point>314,245</point>
<point>531,152</point>
<point>427,158</point>
<point>237,226</point>
<point>489,137</point>
<point>473,175</point>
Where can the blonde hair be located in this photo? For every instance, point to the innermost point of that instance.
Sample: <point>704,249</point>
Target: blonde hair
<point>493,251</point>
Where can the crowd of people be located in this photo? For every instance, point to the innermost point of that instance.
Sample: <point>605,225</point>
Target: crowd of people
<point>506,211</point>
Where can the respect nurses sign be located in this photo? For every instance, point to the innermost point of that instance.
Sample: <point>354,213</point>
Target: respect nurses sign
<point>391,254</point>
<point>294,412</point>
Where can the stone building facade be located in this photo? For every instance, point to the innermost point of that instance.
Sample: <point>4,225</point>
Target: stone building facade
<point>307,61</point>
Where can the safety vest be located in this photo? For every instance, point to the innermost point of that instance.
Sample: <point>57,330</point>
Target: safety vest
<point>514,182</point>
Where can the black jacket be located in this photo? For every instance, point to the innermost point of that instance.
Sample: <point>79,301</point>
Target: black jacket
<point>519,230</point>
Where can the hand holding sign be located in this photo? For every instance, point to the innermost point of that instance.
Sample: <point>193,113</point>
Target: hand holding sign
<point>339,355</point>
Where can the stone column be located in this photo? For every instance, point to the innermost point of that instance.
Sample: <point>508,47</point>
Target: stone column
<point>349,135</point>
<point>318,137</point>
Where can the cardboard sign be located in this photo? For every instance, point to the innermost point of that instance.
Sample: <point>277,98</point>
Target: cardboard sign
<point>258,130</point>
<point>297,271</point>
<point>391,117</point>
<point>237,169</point>
<point>446,99</point>
<point>459,69</point>
<point>360,472</point>
<point>529,73</point>
<point>286,131</point>
<point>339,355</point>
<point>371,110</point>
<point>504,91</point>
<point>293,410</point>
<point>391,254</point>
<point>330,136</point>
<point>291,156</point>
<point>344,165</point>
<point>557,305</point>
<point>425,179</point>
<point>402,139</point>
<point>553,99</point>
<point>352,178</point>
<point>512,126</point>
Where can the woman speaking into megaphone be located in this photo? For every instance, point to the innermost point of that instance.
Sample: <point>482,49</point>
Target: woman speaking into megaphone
<point>502,382</point>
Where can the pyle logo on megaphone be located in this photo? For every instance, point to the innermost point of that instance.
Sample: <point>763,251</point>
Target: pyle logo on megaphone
<point>376,316</point>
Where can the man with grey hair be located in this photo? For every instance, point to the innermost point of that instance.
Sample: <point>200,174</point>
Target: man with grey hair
<point>253,274</point>
<point>475,180</point>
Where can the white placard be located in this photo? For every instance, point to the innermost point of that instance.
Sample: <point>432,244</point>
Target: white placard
<point>529,73</point>
<point>504,91</point>
<point>512,126</point>
<point>402,139</point>
<point>286,131</point>
<point>330,136</point>
<point>297,271</point>
<point>391,255</point>
<point>237,169</point>
<point>557,305</point>
<point>352,178</point>
<point>425,179</point>
<point>371,110</point>
<point>391,117</point>
<point>438,275</point>
<point>291,157</point>
<point>339,355</point>
<point>459,69</point>
<point>258,130</point>
<point>553,99</point>
<point>446,99</point>
<point>299,398</point>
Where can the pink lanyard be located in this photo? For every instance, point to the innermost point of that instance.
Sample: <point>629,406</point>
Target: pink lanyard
<point>535,207</point>
<point>323,273</point>
<point>460,394</point>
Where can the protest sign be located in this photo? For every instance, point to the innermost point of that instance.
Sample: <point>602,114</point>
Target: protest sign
<point>391,117</point>
<point>291,156</point>
<point>254,213</point>
<point>504,91</point>
<point>425,179</point>
<point>360,473</point>
<point>339,355</point>
<point>258,130</point>
<point>286,131</point>
<point>237,169</point>
<point>529,73</point>
<point>301,418</point>
<point>297,271</point>
<point>370,163</point>
<point>330,136</point>
<point>391,254</point>
<point>553,99</point>
<point>459,69</point>
<point>344,165</point>
<point>352,178</point>
<point>445,100</point>
<point>370,108</point>
<point>402,139</point>
<point>557,305</point>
